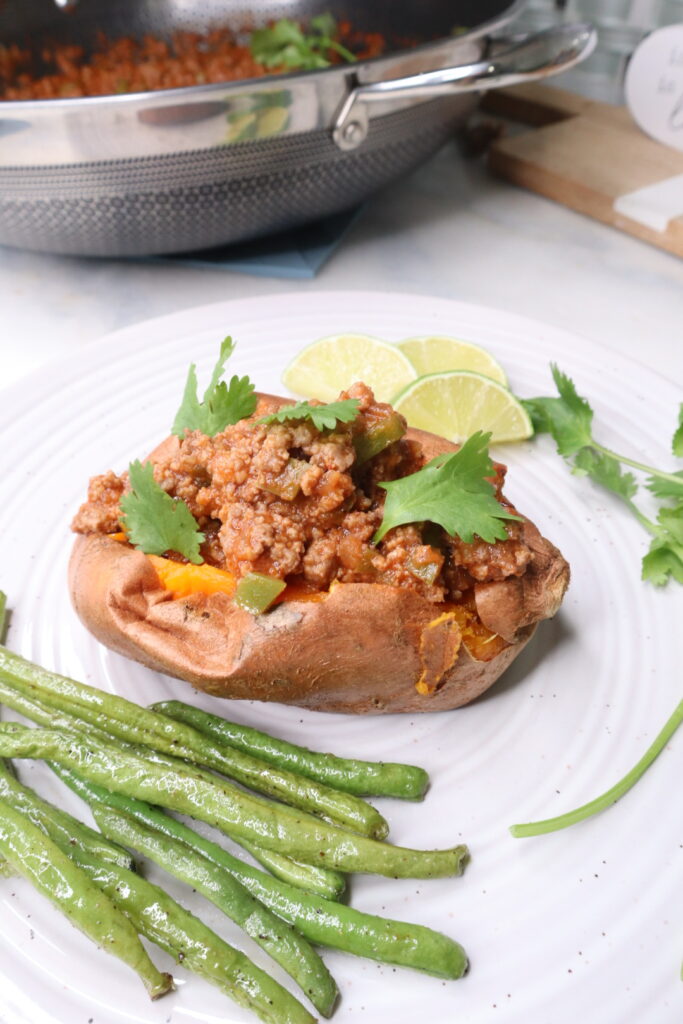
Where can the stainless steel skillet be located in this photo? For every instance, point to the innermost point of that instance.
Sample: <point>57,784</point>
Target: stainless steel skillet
<point>185,169</point>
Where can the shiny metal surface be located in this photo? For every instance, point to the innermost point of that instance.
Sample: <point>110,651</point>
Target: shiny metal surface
<point>191,168</point>
<point>537,56</point>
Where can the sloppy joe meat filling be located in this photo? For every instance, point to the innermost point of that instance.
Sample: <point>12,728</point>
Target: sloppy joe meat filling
<point>299,503</point>
<point>129,65</point>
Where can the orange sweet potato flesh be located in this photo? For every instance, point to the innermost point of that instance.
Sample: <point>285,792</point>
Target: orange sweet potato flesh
<point>364,648</point>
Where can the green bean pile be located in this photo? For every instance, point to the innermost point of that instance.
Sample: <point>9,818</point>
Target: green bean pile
<point>304,818</point>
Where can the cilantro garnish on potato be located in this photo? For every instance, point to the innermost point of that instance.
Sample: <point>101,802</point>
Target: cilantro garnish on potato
<point>222,405</point>
<point>323,417</point>
<point>453,491</point>
<point>154,521</point>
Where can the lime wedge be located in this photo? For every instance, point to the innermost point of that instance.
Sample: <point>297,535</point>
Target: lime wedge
<point>332,364</point>
<point>456,403</point>
<point>436,353</point>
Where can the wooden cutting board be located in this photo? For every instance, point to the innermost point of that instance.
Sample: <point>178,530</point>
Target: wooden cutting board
<point>586,155</point>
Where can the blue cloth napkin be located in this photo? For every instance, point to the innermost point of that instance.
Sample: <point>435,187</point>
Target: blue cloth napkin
<point>299,253</point>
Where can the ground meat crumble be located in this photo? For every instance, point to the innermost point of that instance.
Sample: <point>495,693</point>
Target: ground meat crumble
<point>293,501</point>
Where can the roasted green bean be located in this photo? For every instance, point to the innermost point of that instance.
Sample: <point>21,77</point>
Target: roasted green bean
<point>159,918</point>
<point>6,869</point>
<point>282,942</point>
<point>52,872</point>
<point>3,616</point>
<point>68,828</point>
<point>192,943</point>
<point>189,790</point>
<point>41,713</point>
<point>321,921</point>
<point>134,724</point>
<point>364,778</point>
<point>324,881</point>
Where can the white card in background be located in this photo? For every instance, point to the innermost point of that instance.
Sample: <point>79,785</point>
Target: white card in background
<point>654,85</point>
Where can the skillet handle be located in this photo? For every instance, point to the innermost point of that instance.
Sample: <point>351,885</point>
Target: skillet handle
<point>521,60</point>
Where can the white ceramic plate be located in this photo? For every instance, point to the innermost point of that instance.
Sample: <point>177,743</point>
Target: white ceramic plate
<point>581,925</point>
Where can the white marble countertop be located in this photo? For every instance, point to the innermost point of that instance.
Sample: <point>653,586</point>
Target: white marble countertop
<point>450,230</point>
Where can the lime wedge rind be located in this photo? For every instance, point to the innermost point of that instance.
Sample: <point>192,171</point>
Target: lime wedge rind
<point>456,403</point>
<point>333,363</point>
<point>437,353</point>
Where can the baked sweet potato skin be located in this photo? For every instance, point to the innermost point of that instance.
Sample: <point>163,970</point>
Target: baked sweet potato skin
<point>356,650</point>
<point>364,648</point>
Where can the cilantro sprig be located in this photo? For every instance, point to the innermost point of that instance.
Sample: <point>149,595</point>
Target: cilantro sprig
<point>154,521</point>
<point>605,800</point>
<point>453,491</point>
<point>222,405</point>
<point>285,44</point>
<point>569,420</point>
<point>323,417</point>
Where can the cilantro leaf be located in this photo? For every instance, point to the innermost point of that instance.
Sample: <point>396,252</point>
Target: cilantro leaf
<point>664,560</point>
<point>324,24</point>
<point>323,417</point>
<point>222,404</point>
<point>606,470</point>
<point>568,418</point>
<point>677,442</point>
<point>452,491</point>
<point>661,564</point>
<point>231,404</point>
<point>540,421</point>
<point>667,487</point>
<point>285,44</point>
<point>154,521</point>
<point>671,520</point>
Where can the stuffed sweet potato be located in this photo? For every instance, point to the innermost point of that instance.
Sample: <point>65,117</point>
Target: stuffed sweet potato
<point>409,619</point>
